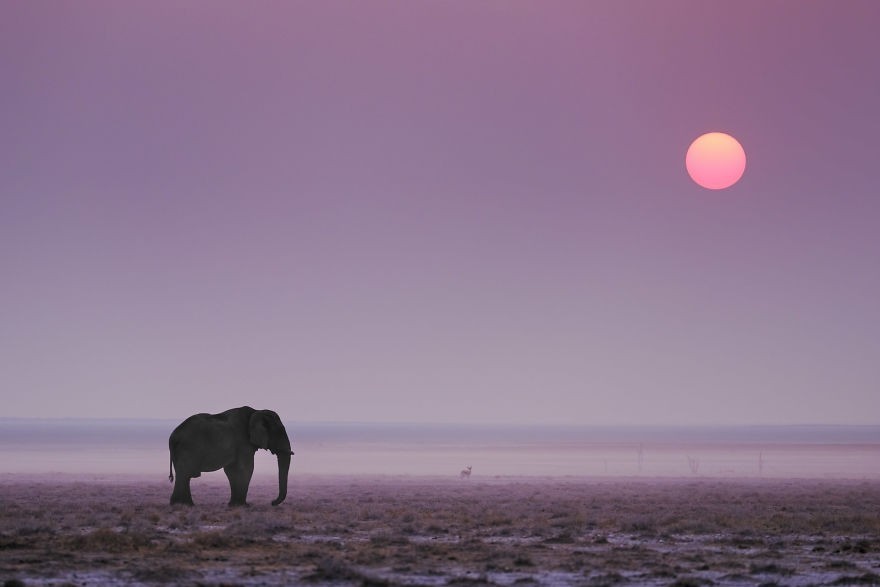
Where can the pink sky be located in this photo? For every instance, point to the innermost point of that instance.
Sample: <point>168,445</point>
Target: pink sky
<point>439,211</point>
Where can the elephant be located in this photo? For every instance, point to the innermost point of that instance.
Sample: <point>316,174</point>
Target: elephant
<point>228,441</point>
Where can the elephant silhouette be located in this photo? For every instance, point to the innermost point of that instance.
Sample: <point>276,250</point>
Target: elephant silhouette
<point>228,441</point>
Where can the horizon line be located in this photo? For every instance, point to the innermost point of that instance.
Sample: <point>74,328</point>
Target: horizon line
<point>471,424</point>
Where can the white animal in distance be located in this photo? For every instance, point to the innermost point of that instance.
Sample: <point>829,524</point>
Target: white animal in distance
<point>465,473</point>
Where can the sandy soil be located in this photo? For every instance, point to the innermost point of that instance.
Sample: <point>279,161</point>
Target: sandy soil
<point>422,531</point>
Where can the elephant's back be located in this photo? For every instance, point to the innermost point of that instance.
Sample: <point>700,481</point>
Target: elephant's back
<point>201,429</point>
<point>190,423</point>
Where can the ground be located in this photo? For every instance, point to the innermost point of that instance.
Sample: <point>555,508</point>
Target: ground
<point>423,531</point>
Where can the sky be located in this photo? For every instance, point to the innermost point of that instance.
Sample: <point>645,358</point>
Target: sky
<point>451,211</point>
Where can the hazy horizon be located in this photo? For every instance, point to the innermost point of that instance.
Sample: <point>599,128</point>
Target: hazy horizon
<point>439,211</point>
<point>474,425</point>
<point>117,448</point>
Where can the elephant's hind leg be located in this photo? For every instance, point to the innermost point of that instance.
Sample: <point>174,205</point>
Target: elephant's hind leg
<point>181,493</point>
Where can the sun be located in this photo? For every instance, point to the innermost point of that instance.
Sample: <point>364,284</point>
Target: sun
<point>715,160</point>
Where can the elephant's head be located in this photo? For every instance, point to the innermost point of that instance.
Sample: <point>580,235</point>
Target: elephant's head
<point>267,431</point>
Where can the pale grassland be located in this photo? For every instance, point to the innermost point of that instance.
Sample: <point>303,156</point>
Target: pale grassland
<point>421,531</point>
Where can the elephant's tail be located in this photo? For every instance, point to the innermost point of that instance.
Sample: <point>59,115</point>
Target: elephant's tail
<point>170,464</point>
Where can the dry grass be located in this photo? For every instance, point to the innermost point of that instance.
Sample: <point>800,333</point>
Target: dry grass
<point>362,531</point>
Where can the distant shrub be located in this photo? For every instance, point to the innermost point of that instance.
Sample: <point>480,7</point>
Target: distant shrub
<point>857,547</point>
<point>866,579</point>
<point>643,525</point>
<point>467,580</point>
<point>562,538</point>
<point>110,540</point>
<point>770,569</point>
<point>217,540</point>
<point>388,539</point>
<point>334,570</point>
<point>162,574</point>
<point>607,579</point>
<point>331,569</point>
<point>691,582</point>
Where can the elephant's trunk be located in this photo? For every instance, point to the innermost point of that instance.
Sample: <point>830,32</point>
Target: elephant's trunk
<point>283,468</point>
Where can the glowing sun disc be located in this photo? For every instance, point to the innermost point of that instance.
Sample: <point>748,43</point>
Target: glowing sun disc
<point>715,160</point>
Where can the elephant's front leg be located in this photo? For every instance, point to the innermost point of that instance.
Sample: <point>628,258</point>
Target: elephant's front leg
<point>239,474</point>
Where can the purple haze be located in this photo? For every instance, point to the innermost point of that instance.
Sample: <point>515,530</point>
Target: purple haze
<point>439,211</point>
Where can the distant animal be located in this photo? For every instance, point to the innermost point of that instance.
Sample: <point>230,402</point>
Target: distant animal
<point>228,441</point>
<point>465,473</point>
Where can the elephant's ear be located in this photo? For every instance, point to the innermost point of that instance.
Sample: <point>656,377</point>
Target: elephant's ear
<point>258,432</point>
